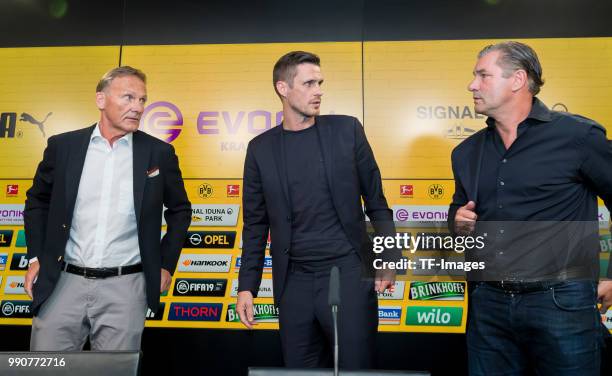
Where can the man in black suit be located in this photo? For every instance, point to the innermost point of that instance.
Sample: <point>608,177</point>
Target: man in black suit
<point>93,220</point>
<point>303,182</point>
<point>529,182</point>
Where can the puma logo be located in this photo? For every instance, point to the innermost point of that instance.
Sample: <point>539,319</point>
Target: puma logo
<point>30,119</point>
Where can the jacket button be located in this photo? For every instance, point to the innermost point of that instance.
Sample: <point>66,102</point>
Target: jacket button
<point>64,226</point>
<point>286,250</point>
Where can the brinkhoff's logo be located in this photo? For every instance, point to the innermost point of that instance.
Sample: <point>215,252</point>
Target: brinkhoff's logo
<point>8,124</point>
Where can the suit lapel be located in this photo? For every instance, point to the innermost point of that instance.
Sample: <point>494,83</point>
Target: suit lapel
<point>278,148</point>
<point>74,167</point>
<point>325,133</point>
<point>141,151</point>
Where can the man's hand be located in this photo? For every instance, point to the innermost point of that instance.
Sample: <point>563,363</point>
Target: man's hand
<point>30,278</point>
<point>465,219</point>
<point>604,294</point>
<point>166,279</point>
<point>244,307</point>
<point>385,279</point>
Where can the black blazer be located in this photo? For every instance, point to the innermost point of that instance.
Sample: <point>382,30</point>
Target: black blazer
<point>50,204</point>
<point>352,174</point>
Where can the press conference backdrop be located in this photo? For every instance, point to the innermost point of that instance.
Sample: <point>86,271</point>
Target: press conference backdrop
<point>210,100</point>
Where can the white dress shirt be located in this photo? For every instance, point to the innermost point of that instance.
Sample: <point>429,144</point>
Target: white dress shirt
<point>103,232</point>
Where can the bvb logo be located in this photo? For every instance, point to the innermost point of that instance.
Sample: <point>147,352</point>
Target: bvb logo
<point>436,191</point>
<point>205,190</point>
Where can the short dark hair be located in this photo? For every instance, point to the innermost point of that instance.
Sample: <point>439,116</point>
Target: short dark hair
<point>119,72</point>
<point>285,67</point>
<point>515,56</point>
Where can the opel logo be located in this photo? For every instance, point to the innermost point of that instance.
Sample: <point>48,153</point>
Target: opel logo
<point>195,239</point>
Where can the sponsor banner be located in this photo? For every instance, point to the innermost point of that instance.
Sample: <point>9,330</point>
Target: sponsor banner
<point>3,259</point>
<point>388,315</point>
<point>265,289</point>
<point>14,285</point>
<point>157,316</point>
<point>603,216</point>
<point>195,312</point>
<point>197,263</point>
<point>420,215</point>
<point>21,239</point>
<point>199,287</point>
<point>210,239</point>
<point>11,214</point>
<point>398,294</point>
<point>606,243</point>
<point>261,313</point>
<point>214,215</point>
<point>267,264</point>
<point>434,316</point>
<point>19,261</point>
<point>437,291</point>
<point>6,236</point>
<point>15,309</point>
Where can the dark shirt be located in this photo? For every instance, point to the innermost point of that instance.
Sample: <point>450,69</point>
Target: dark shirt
<point>317,233</point>
<point>551,174</point>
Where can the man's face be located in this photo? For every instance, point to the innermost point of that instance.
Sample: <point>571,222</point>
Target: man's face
<point>304,97</point>
<point>122,103</point>
<point>490,89</point>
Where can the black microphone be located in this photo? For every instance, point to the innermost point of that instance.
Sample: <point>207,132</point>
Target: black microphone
<point>334,287</point>
<point>334,302</point>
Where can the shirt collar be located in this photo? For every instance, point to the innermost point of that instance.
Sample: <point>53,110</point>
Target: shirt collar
<point>96,134</point>
<point>539,112</point>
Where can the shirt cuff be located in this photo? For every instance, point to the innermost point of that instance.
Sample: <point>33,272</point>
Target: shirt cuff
<point>33,259</point>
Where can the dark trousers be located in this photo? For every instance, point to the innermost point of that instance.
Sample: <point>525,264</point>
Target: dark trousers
<point>306,328</point>
<point>557,331</point>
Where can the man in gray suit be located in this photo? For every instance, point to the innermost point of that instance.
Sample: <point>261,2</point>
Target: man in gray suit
<point>93,219</point>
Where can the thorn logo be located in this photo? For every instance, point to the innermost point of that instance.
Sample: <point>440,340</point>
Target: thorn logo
<point>163,120</point>
<point>187,262</point>
<point>25,117</point>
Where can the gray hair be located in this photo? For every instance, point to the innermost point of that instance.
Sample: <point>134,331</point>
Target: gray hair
<point>109,76</point>
<point>514,56</point>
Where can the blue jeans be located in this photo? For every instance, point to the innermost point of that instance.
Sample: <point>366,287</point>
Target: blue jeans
<point>552,332</point>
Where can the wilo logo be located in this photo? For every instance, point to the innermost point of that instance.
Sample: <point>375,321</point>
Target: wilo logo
<point>434,316</point>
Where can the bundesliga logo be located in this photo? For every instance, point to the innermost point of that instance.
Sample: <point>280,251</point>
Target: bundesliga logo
<point>406,190</point>
<point>12,190</point>
<point>233,190</point>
